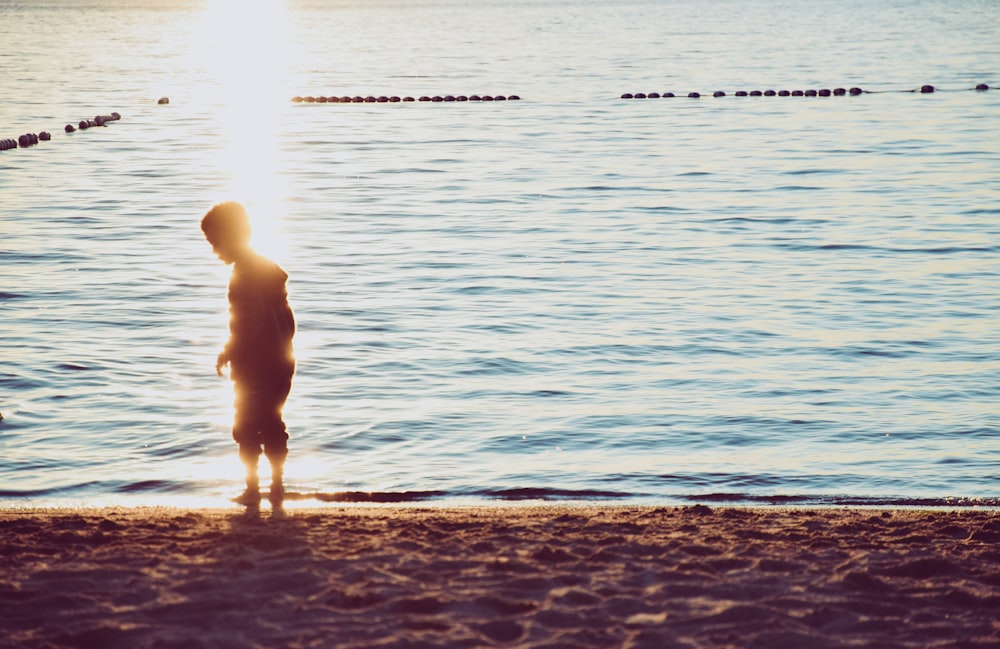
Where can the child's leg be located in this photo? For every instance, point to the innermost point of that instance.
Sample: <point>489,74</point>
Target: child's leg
<point>274,436</point>
<point>245,433</point>
<point>275,439</point>
<point>250,456</point>
<point>277,459</point>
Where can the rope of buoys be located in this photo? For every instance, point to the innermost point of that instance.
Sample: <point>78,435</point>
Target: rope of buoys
<point>823,92</point>
<point>25,140</point>
<point>100,120</point>
<point>395,99</point>
<point>31,139</point>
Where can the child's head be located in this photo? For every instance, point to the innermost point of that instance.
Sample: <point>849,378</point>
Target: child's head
<point>227,228</point>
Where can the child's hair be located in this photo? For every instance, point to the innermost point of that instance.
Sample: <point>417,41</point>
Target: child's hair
<point>227,221</point>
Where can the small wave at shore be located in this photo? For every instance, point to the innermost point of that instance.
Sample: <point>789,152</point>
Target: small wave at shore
<point>139,494</point>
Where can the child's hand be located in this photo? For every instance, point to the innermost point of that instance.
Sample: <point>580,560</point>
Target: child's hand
<point>221,362</point>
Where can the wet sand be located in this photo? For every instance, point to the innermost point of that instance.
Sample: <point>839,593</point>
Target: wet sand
<point>553,576</point>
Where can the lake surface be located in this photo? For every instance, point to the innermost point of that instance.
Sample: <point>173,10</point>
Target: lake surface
<point>566,296</point>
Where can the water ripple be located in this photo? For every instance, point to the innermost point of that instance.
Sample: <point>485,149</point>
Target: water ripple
<point>568,297</point>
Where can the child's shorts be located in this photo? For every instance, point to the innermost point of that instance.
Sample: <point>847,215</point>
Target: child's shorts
<point>258,419</point>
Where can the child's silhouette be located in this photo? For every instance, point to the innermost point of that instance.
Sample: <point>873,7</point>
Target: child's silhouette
<point>259,350</point>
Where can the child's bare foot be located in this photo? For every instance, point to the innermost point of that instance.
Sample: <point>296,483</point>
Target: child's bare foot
<point>249,497</point>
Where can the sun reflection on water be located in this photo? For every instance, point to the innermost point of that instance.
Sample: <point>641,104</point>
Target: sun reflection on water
<point>243,49</point>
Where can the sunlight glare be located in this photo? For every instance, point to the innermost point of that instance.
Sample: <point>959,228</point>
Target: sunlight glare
<point>243,49</point>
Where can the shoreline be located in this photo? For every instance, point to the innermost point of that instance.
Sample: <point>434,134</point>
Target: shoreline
<point>438,500</point>
<point>507,575</point>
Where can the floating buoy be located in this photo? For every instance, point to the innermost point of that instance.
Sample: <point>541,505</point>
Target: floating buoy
<point>70,128</point>
<point>718,93</point>
<point>824,92</point>
<point>163,100</point>
<point>839,92</point>
<point>653,95</point>
<point>926,89</point>
<point>741,93</point>
<point>982,86</point>
<point>756,93</point>
<point>694,95</point>
<point>44,136</point>
<point>783,93</point>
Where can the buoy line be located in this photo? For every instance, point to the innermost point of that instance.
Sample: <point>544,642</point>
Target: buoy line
<point>396,99</point>
<point>31,139</point>
<point>24,141</point>
<point>822,92</point>
<point>100,120</point>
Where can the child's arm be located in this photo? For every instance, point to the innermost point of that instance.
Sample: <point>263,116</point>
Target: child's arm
<point>222,360</point>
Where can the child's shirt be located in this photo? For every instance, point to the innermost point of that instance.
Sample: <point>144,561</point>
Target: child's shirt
<point>261,322</point>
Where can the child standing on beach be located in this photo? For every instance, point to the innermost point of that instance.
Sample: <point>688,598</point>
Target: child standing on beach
<point>259,350</point>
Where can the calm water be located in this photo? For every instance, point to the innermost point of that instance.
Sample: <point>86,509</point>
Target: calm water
<point>569,296</point>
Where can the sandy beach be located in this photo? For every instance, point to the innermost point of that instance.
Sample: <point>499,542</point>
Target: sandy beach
<point>553,576</point>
